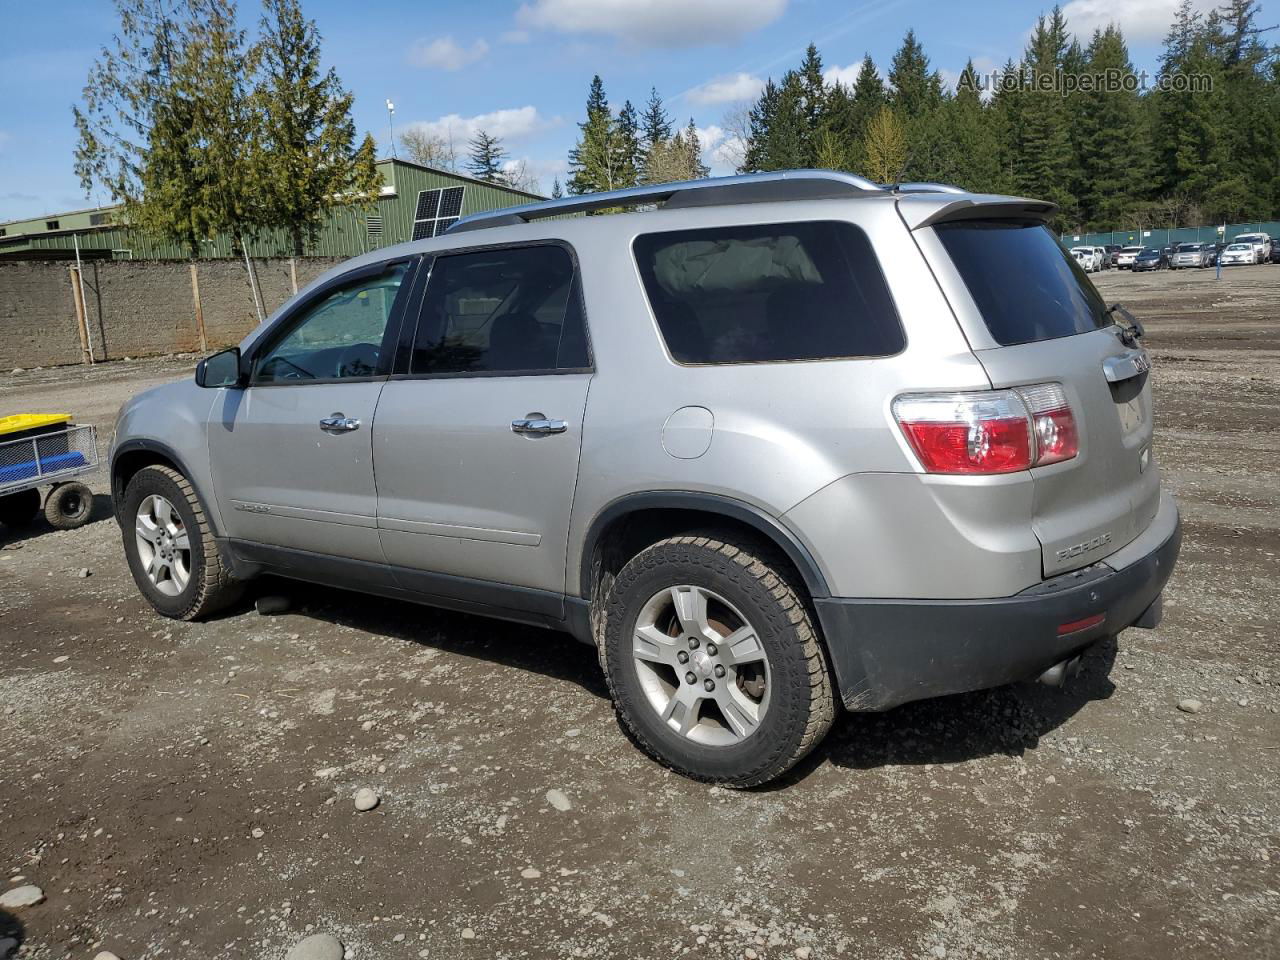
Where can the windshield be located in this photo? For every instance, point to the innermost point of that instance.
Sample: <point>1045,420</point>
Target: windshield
<point>1024,284</point>
<point>1188,247</point>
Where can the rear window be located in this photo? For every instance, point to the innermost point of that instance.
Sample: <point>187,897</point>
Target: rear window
<point>768,292</point>
<point>1026,287</point>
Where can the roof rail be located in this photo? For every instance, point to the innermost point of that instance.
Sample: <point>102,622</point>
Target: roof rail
<point>746,188</point>
<point>925,187</point>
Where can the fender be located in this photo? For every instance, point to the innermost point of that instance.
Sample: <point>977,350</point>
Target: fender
<point>711,503</point>
<point>137,444</point>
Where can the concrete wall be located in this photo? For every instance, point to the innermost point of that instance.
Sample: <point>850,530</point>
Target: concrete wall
<point>133,308</point>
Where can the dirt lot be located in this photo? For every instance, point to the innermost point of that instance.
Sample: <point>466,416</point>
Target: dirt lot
<point>184,790</point>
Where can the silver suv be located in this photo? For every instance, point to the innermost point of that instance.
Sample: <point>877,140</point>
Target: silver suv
<point>771,444</point>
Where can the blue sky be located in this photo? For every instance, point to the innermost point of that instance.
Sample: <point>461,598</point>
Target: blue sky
<point>521,68</point>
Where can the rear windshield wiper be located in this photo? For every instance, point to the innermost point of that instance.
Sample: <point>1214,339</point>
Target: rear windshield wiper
<point>1131,329</point>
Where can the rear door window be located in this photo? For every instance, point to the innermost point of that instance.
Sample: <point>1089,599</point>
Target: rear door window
<point>1024,284</point>
<point>768,292</point>
<point>511,311</point>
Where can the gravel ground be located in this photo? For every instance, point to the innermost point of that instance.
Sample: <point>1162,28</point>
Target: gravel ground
<point>187,790</point>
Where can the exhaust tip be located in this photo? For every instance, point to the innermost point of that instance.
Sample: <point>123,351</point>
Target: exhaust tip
<point>1060,673</point>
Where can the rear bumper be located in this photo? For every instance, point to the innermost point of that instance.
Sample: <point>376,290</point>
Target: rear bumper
<point>887,652</point>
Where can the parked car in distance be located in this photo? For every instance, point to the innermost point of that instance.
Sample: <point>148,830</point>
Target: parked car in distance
<point>1112,251</point>
<point>1125,258</point>
<point>1238,253</point>
<point>1090,257</point>
<point>1275,249</point>
<point>1150,258</point>
<point>1190,255</point>
<point>779,443</point>
<point>1260,242</point>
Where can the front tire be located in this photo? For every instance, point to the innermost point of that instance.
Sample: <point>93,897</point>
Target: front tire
<point>170,547</point>
<point>713,661</point>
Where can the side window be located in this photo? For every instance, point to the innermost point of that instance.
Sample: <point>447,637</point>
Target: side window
<point>337,337</point>
<point>515,310</point>
<point>768,292</point>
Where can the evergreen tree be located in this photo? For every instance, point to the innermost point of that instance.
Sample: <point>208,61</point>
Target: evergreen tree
<point>1043,151</point>
<point>312,160</point>
<point>1111,156</point>
<point>557,191</point>
<point>813,103</point>
<point>627,147</point>
<point>970,128</point>
<point>594,160</point>
<point>486,158</point>
<point>655,123</point>
<point>839,135</point>
<point>693,148</point>
<point>917,100</point>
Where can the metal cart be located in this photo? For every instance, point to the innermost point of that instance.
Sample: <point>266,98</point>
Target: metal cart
<point>45,449</point>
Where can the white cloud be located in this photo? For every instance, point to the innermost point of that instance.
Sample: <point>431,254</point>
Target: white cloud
<point>444,53</point>
<point>654,23</point>
<point>1142,21</point>
<point>510,124</point>
<point>721,150</point>
<point>731,88</point>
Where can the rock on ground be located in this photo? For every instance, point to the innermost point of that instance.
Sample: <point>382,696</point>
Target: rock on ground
<point>558,800</point>
<point>366,799</point>
<point>26,895</point>
<point>318,946</point>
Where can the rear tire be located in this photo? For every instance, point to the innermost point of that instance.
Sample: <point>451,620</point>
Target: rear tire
<point>18,510</point>
<point>170,547</point>
<point>68,506</point>
<point>758,703</point>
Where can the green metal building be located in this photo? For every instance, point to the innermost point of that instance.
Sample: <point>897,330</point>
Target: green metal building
<point>415,202</point>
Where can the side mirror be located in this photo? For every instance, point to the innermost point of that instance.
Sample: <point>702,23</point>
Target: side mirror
<point>220,370</point>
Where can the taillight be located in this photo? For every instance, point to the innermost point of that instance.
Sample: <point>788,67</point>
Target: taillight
<point>989,431</point>
<point>1052,422</point>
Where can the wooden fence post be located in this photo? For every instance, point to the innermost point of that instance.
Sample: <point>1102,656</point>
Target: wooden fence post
<point>195,299</point>
<point>293,274</point>
<point>82,321</point>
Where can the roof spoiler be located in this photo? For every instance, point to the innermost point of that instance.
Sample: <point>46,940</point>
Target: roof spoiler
<point>918,215</point>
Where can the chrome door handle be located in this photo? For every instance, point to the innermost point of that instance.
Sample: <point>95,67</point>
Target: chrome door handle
<point>339,424</point>
<point>539,426</point>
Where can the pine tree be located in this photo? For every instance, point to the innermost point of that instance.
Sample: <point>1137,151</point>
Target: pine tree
<point>594,160</point>
<point>917,100</point>
<point>1110,155</point>
<point>486,158</point>
<point>311,156</point>
<point>557,191</point>
<point>655,123</point>
<point>628,152</point>
<point>836,146</point>
<point>1044,157</point>
<point>760,120</point>
<point>813,103</point>
<point>970,129</point>
<point>693,147</point>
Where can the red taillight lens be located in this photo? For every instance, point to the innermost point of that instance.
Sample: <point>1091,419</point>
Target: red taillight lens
<point>989,431</point>
<point>980,432</point>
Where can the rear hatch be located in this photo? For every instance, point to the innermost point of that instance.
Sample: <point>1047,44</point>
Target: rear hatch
<point>1044,322</point>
